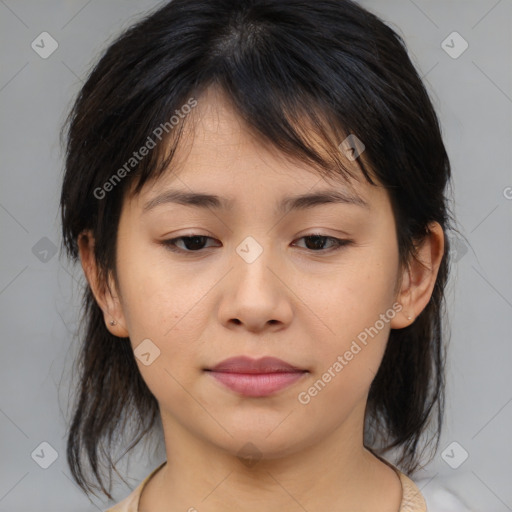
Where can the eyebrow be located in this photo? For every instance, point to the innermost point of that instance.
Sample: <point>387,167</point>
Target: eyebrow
<point>287,204</point>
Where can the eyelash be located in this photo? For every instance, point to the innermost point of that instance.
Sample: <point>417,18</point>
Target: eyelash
<point>339,243</point>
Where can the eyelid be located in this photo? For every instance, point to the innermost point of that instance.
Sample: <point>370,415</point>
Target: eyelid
<point>339,243</point>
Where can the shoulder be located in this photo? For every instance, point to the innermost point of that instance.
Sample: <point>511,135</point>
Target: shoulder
<point>434,497</point>
<point>412,499</point>
<point>131,502</point>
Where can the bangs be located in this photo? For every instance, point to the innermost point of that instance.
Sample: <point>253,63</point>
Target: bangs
<point>297,128</point>
<point>291,99</point>
<point>315,97</point>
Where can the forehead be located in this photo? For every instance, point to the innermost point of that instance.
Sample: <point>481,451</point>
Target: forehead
<point>218,152</point>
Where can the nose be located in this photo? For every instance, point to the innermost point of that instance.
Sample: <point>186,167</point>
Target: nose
<point>255,294</point>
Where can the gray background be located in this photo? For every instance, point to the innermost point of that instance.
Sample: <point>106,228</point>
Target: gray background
<point>40,291</point>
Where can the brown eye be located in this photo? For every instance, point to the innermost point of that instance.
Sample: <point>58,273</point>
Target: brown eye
<point>193,243</point>
<point>316,242</point>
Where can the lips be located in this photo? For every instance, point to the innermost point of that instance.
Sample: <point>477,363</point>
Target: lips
<point>256,377</point>
<point>245,364</point>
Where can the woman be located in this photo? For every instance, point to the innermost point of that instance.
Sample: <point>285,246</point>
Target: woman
<point>256,193</point>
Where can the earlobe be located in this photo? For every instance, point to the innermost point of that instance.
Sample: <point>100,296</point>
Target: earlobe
<point>104,293</point>
<point>419,278</point>
<point>405,315</point>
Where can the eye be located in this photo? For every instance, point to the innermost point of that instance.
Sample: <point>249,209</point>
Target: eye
<point>317,241</point>
<point>195,243</point>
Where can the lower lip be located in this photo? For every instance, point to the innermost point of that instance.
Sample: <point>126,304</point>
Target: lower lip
<point>257,384</point>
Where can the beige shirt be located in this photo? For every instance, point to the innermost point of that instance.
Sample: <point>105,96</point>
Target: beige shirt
<point>412,499</point>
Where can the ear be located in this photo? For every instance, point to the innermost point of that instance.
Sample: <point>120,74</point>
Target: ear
<point>419,277</point>
<point>105,293</point>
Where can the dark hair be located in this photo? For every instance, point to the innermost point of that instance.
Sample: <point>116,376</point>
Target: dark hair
<point>299,72</point>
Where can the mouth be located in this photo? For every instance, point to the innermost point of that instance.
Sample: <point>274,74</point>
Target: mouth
<point>256,377</point>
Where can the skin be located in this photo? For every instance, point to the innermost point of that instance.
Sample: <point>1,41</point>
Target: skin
<point>302,304</point>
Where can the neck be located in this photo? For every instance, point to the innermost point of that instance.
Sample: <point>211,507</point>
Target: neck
<point>335,473</point>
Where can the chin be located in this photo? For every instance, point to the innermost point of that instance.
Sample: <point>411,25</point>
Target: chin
<point>256,446</point>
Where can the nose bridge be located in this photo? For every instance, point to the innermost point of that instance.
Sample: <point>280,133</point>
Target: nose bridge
<point>253,258</point>
<point>255,298</point>
<point>256,272</point>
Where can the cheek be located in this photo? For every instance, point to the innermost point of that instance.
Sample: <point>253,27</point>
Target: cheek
<point>154,299</point>
<point>348,363</point>
<point>360,308</point>
<point>163,308</point>
<point>163,305</point>
<point>373,289</point>
<point>358,291</point>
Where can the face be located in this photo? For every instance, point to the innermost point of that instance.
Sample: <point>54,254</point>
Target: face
<point>314,287</point>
